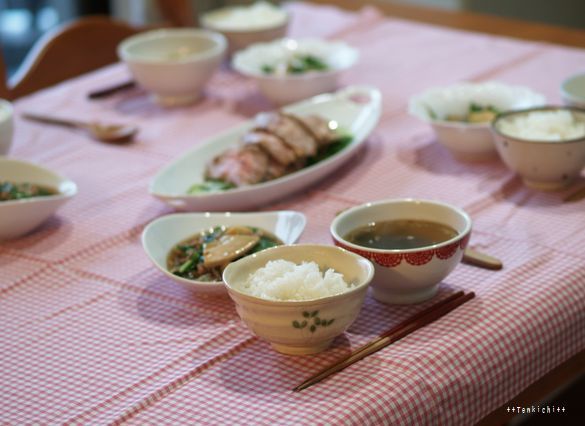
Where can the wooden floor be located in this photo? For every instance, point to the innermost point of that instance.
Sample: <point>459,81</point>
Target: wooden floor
<point>472,21</point>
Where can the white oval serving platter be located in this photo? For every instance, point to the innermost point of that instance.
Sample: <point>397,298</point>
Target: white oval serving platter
<point>356,109</point>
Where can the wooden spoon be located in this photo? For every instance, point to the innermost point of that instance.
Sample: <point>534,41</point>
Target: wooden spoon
<point>109,133</point>
<point>481,260</point>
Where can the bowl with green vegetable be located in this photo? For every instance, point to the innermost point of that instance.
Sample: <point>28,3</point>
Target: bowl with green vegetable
<point>289,70</point>
<point>193,249</point>
<point>29,195</point>
<point>461,114</point>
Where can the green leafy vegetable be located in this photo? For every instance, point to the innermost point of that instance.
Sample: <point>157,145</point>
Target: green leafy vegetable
<point>209,186</point>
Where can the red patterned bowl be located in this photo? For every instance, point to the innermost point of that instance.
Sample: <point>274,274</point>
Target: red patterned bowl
<point>411,275</point>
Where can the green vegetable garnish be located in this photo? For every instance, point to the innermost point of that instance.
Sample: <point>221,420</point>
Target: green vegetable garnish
<point>209,186</point>
<point>331,149</point>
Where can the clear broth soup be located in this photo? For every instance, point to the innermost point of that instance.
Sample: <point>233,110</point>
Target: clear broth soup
<point>400,234</point>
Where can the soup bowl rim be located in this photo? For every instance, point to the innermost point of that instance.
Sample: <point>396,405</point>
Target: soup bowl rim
<point>461,235</point>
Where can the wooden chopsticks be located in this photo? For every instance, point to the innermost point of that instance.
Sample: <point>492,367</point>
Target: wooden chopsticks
<point>419,320</point>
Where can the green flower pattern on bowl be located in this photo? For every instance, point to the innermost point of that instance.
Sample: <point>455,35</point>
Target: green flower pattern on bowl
<point>316,321</point>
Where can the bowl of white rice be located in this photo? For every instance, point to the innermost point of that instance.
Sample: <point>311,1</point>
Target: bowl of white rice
<point>545,146</point>
<point>299,297</point>
<point>244,25</point>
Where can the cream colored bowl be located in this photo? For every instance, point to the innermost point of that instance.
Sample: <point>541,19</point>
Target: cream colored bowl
<point>301,327</point>
<point>412,275</point>
<point>542,164</point>
<point>245,25</point>
<point>174,64</point>
<point>18,217</point>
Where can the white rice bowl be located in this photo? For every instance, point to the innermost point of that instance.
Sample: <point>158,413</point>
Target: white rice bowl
<point>287,281</point>
<point>546,126</point>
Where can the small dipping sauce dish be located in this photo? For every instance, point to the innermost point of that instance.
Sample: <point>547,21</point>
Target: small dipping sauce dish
<point>414,244</point>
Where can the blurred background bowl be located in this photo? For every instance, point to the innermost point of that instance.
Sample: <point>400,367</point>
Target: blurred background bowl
<point>174,64</point>
<point>284,88</point>
<point>294,327</point>
<point>542,163</point>
<point>18,217</point>
<point>409,275</point>
<point>573,90</point>
<point>246,25</point>
<point>469,141</point>
<point>6,126</point>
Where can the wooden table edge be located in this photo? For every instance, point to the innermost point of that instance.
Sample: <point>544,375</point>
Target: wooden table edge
<point>472,21</point>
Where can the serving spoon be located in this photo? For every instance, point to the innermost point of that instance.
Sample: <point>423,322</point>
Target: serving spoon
<point>109,133</point>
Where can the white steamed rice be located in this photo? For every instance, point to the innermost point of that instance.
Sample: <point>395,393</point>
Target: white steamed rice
<point>284,280</point>
<point>544,126</point>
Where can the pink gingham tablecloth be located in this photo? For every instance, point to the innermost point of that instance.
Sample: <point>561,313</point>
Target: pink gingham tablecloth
<point>91,333</point>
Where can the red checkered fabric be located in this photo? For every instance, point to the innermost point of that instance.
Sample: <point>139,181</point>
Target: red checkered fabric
<point>91,333</point>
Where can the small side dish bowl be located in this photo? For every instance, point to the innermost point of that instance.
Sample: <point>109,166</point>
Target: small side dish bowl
<point>573,90</point>
<point>300,327</point>
<point>289,70</point>
<point>162,234</point>
<point>468,141</point>
<point>245,25</point>
<point>18,217</point>
<point>545,146</point>
<point>6,126</point>
<point>174,64</point>
<point>412,275</point>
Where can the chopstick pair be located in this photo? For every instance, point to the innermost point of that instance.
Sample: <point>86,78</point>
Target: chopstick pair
<point>419,320</point>
<point>102,93</point>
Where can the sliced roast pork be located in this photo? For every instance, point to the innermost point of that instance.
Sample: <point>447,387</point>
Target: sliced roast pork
<point>318,127</point>
<point>290,131</point>
<point>273,145</point>
<point>245,165</point>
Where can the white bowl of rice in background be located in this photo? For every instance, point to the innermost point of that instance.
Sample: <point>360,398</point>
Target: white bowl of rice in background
<point>545,146</point>
<point>299,297</point>
<point>469,141</point>
<point>247,24</point>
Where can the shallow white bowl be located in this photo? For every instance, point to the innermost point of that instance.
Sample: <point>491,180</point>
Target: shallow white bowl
<point>356,109</point>
<point>162,234</point>
<point>542,165</point>
<point>296,327</point>
<point>468,141</point>
<point>289,88</point>
<point>6,126</point>
<point>174,64</point>
<point>19,217</point>
<point>243,35</point>
<point>573,90</point>
<point>413,275</point>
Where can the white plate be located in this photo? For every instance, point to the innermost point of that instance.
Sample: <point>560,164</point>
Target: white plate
<point>356,109</point>
<point>162,234</point>
<point>18,217</point>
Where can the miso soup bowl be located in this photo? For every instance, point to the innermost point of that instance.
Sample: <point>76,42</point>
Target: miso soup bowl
<point>410,275</point>
<point>300,327</point>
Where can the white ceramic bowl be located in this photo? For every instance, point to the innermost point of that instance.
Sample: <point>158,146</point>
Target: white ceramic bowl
<point>469,141</point>
<point>246,25</point>
<point>285,89</point>
<point>18,217</point>
<point>162,234</point>
<point>413,275</point>
<point>174,64</point>
<point>542,165</point>
<point>573,90</point>
<point>6,126</point>
<point>301,327</point>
